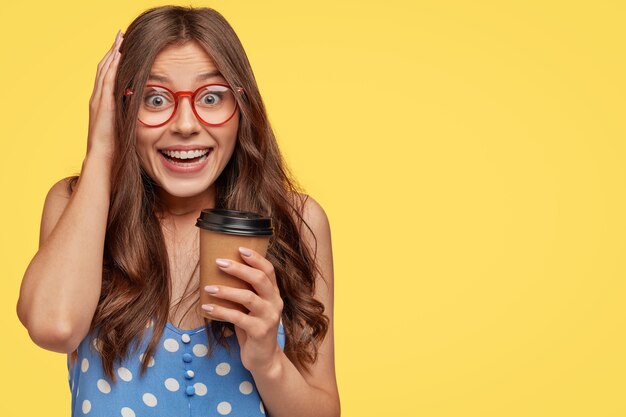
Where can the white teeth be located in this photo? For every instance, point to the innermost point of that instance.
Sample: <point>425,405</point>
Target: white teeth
<point>186,154</point>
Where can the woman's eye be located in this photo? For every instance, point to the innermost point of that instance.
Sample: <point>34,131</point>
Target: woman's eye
<point>211,99</point>
<point>155,100</point>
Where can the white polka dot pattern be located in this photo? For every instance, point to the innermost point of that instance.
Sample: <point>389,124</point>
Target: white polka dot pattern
<point>104,386</point>
<point>125,374</point>
<point>150,362</point>
<point>86,406</point>
<point>200,350</point>
<point>180,372</point>
<point>222,369</point>
<point>172,384</point>
<point>245,387</point>
<point>171,345</point>
<point>97,344</point>
<point>224,408</point>
<point>200,388</point>
<point>127,412</point>
<point>149,399</point>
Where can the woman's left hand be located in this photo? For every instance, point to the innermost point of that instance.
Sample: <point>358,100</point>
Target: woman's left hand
<point>256,331</point>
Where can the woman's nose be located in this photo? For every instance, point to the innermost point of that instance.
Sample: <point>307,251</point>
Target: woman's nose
<point>185,120</point>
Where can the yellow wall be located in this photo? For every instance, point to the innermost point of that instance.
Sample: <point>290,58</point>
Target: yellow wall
<point>470,157</point>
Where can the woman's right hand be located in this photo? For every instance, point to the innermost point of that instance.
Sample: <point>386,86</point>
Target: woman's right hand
<point>101,139</point>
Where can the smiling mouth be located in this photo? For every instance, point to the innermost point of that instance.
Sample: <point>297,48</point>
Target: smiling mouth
<point>186,158</point>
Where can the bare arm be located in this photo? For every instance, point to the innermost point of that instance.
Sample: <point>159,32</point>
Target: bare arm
<point>61,286</point>
<point>286,389</point>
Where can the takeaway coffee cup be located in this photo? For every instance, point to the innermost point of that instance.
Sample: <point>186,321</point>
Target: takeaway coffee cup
<point>222,231</point>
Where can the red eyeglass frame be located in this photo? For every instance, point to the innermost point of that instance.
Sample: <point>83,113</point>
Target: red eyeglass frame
<point>192,94</point>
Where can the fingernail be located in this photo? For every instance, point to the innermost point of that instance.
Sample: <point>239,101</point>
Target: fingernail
<point>207,307</point>
<point>211,289</point>
<point>245,251</point>
<point>222,262</point>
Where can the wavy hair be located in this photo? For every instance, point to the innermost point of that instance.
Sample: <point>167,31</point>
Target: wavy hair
<point>136,283</point>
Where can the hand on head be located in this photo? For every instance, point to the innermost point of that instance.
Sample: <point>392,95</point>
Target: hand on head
<point>102,103</point>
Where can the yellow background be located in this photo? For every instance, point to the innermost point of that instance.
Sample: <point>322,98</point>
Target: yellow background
<point>470,157</point>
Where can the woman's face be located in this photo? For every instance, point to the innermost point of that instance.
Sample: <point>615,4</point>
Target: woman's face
<point>177,68</point>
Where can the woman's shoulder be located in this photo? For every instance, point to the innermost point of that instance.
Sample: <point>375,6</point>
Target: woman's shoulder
<point>309,208</point>
<point>63,188</point>
<point>55,203</point>
<point>312,221</point>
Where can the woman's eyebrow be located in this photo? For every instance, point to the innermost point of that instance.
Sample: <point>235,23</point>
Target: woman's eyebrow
<point>200,77</point>
<point>206,75</point>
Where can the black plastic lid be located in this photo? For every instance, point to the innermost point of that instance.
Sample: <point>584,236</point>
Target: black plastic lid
<point>235,222</point>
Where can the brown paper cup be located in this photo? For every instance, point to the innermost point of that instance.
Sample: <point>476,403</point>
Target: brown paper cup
<point>222,232</point>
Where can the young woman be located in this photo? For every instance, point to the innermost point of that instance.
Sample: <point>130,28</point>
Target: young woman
<point>177,125</point>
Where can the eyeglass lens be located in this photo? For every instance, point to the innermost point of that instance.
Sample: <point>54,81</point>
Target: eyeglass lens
<point>214,104</point>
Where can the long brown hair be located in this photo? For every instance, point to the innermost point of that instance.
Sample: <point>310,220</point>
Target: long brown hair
<point>136,283</point>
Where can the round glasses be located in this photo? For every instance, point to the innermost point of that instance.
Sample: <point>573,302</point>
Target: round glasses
<point>213,104</point>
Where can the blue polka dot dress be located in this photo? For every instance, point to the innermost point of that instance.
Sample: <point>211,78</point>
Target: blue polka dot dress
<point>181,379</point>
